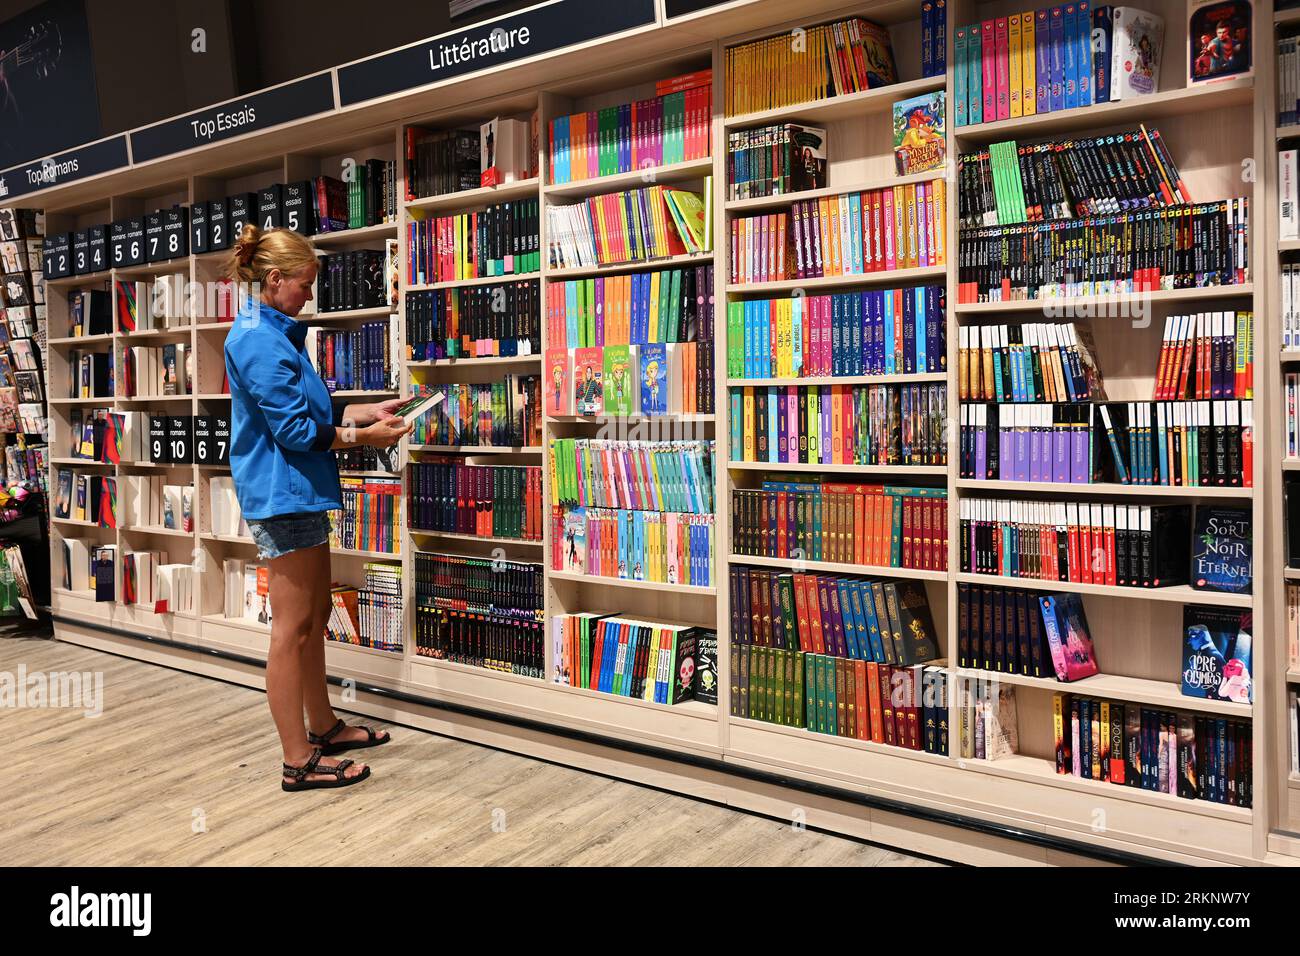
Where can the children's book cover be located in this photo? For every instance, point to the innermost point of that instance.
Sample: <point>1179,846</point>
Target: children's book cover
<point>588,382</point>
<point>619,392</point>
<point>559,370</point>
<point>1217,653</point>
<point>654,379</point>
<point>919,133</point>
<point>575,541</point>
<point>1221,550</point>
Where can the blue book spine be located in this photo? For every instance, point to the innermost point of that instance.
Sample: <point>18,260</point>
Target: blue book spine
<point>1069,54</point>
<point>927,38</point>
<point>837,359</point>
<point>960,113</point>
<point>975,76</point>
<point>855,354</point>
<point>1100,45</point>
<point>855,231</point>
<point>1056,34</point>
<point>940,37</point>
<point>891,363</point>
<point>1083,56</point>
<point>909,332</point>
<point>922,331</point>
<point>1043,54</point>
<point>876,301</point>
<point>748,309</point>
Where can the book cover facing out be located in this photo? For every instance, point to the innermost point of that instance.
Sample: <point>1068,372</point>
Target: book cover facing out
<point>619,393</point>
<point>1068,639</point>
<point>557,382</point>
<point>654,379</point>
<point>706,668</point>
<point>919,134</point>
<point>1220,37</point>
<point>588,382</point>
<point>1217,653</point>
<point>1221,550</point>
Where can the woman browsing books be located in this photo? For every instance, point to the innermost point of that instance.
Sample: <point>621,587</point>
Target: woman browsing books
<point>284,428</point>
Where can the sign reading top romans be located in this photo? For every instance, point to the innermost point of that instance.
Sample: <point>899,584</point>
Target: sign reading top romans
<point>248,114</point>
<point>530,32</point>
<point>63,168</point>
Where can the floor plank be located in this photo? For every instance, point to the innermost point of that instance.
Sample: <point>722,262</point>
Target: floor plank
<point>170,748</point>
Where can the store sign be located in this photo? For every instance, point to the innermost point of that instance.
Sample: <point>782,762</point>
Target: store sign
<point>64,168</point>
<point>248,114</point>
<point>528,33</point>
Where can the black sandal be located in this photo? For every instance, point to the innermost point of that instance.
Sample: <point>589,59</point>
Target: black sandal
<point>299,775</point>
<point>323,741</point>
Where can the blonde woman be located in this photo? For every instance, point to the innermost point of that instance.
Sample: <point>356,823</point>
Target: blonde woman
<point>284,427</point>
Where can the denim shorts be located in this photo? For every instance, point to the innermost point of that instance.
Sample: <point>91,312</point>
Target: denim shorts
<point>281,534</point>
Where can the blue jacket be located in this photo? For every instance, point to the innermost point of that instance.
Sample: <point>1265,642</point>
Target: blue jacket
<point>282,419</point>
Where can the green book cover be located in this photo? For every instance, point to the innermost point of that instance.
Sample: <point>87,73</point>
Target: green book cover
<point>799,711</point>
<point>619,386</point>
<point>778,686</point>
<point>810,691</point>
<point>785,584</point>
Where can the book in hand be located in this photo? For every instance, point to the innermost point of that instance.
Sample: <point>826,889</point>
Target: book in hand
<point>416,406</point>
<point>1221,550</point>
<point>1217,653</point>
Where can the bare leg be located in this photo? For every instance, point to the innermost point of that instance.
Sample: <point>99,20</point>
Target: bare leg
<point>294,584</point>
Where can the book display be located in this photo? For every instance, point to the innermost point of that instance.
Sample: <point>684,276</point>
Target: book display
<point>876,404</point>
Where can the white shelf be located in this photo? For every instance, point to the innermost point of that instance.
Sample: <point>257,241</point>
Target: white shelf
<point>473,450</point>
<point>1178,594</point>
<point>781,200</point>
<point>834,567</point>
<point>599,581</point>
<point>474,362</point>
<point>914,378</point>
<point>172,532</point>
<point>78,340</point>
<point>474,198</point>
<point>237,622</point>
<point>466,283</point>
<point>614,268</point>
<point>1102,307</point>
<point>344,237</point>
<point>347,315</point>
<point>1164,694</point>
<point>372,555</point>
<point>454,536</point>
<point>1109,489</point>
<point>899,470</point>
<point>890,278</point>
<point>832,108</point>
<point>648,176</point>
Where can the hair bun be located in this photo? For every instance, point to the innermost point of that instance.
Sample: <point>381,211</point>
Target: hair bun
<point>246,244</point>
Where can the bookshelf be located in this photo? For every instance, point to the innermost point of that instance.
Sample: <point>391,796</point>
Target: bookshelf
<point>1137,632</point>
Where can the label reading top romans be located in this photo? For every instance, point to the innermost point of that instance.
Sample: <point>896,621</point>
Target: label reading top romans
<point>518,36</point>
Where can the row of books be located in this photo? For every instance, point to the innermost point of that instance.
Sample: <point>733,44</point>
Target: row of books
<point>775,160</point>
<point>87,567</point>
<point>90,375</point>
<point>654,379</point>
<point>1028,362</point>
<point>90,311</point>
<point>641,660</point>
<point>498,240</point>
<point>666,305</point>
<point>148,371</point>
<point>82,497</point>
<point>1178,248</point>
<point>486,501</point>
<point>635,225</point>
<point>438,162</point>
<point>151,501</point>
<point>1092,176</point>
<point>23,462</point>
<point>1142,546</point>
<point>663,547</point>
<point>898,227</point>
<point>371,517</point>
<point>367,197</point>
<point>1207,355</point>
<point>1291,406</point>
<point>855,618</point>
<point>1289,309</point>
<point>369,616</point>
<point>839,424</point>
<point>501,414</point>
<point>848,523</point>
<point>247,591</point>
<point>673,126</point>
<point>488,640</point>
<point>871,332</point>
<point>166,302</point>
<point>986,719</point>
<point>1054,58</point>
<point>474,322</point>
<point>356,279</point>
<point>863,700</point>
<point>363,358</point>
<point>639,475</point>
<point>1013,631</point>
<point>1288,81</point>
<point>830,59</point>
<point>1179,753</point>
<point>479,585</point>
<point>1192,444</point>
<point>225,517</point>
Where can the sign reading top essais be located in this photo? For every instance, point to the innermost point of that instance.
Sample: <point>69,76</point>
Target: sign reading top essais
<point>80,163</point>
<point>257,111</point>
<point>519,36</point>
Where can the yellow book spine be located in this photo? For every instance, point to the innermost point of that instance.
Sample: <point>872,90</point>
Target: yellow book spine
<point>910,192</point>
<point>652,668</point>
<point>654,306</point>
<point>1058,725</point>
<point>824,233</point>
<point>1028,66</point>
<point>939,189</point>
<point>900,225</point>
<point>749,423</point>
<point>1013,62</point>
<point>837,425</point>
<point>836,263</point>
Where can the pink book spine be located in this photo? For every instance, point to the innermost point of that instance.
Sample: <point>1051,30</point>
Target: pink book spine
<point>888,215</point>
<point>826,334</point>
<point>792,428</point>
<point>987,58</point>
<point>1000,52</point>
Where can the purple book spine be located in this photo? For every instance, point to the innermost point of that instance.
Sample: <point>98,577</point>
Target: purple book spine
<point>600,310</point>
<point>826,445</point>
<point>1061,453</point>
<point>1080,438</point>
<point>1021,455</point>
<point>1006,460</point>
<point>982,453</point>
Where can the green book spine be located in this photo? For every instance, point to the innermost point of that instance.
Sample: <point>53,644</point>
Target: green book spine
<point>778,687</point>
<point>797,686</point>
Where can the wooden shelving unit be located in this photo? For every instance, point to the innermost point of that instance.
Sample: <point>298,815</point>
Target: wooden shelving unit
<point>1137,631</point>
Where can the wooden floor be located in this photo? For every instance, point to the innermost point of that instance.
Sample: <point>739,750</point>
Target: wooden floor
<point>181,770</point>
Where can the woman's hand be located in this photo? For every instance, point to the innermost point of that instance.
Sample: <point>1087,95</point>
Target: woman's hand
<point>383,433</point>
<point>367,413</point>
